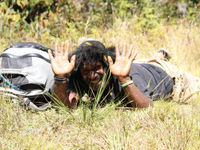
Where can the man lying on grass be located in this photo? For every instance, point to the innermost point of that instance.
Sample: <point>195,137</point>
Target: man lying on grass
<point>83,71</point>
<point>136,84</point>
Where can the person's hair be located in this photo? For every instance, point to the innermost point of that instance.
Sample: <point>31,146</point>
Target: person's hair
<point>93,52</point>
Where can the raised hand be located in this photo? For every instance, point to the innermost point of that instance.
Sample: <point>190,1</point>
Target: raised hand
<point>123,61</point>
<point>60,64</point>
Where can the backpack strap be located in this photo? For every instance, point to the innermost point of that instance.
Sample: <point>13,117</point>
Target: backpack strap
<point>8,83</point>
<point>24,101</point>
<point>25,56</point>
<point>30,105</point>
<point>30,45</point>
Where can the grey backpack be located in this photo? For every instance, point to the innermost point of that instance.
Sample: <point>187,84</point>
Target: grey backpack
<point>26,75</point>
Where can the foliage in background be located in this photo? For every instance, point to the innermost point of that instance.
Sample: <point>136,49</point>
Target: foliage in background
<point>78,17</point>
<point>145,24</point>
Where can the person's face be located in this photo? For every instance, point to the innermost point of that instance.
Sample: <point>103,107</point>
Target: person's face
<point>92,74</point>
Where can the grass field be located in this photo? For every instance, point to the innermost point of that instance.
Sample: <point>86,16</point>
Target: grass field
<point>167,125</point>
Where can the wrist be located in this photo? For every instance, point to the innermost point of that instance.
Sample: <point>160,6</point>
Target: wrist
<point>123,80</point>
<point>60,79</point>
<point>60,75</point>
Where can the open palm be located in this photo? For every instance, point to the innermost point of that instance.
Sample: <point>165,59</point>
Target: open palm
<point>60,63</point>
<point>122,65</point>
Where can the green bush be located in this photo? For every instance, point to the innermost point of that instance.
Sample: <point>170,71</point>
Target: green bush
<point>59,16</point>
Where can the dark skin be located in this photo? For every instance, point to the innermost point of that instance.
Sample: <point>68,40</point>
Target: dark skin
<point>91,75</point>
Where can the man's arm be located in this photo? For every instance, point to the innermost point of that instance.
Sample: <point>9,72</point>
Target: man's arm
<point>121,69</point>
<point>62,67</point>
<point>134,95</point>
<point>67,97</point>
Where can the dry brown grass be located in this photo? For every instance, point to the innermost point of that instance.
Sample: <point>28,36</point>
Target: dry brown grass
<point>168,125</point>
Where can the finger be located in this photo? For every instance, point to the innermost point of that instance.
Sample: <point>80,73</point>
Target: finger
<point>67,47</point>
<point>130,50</point>
<point>133,56</point>
<point>117,50</point>
<point>50,55</point>
<point>110,61</point>
<point>56,49</point>
<point>73,60</point>
<point>117,54</point>
<point>124,50</point>
<point>62,48</point>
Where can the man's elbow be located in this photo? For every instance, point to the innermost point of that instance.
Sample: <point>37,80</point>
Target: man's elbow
<point>146,104</point>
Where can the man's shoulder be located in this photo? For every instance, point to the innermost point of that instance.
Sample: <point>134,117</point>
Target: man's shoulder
<point>145,69</point>
<point>144,66</point>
